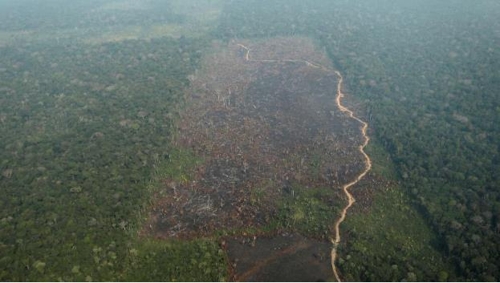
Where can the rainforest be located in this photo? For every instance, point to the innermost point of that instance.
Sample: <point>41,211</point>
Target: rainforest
<point>245,140</point>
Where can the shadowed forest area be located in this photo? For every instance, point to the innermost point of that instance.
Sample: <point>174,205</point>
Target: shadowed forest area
<point>152,141</point>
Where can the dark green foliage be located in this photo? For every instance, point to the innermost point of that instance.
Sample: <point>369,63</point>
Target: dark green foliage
<point>177,261</point>
<point>82,128</point>
<point>393,237</point>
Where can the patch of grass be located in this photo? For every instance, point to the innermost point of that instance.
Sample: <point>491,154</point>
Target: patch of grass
<point>179,167</point>
<point>308,211</point>
<point>315,165</point>
<point>256,195</point>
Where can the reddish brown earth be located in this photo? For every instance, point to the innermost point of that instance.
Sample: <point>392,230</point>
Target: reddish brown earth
<point>260,128</point>
<point>286,258</point>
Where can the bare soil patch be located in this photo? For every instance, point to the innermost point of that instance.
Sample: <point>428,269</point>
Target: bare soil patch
<point>283,258</point>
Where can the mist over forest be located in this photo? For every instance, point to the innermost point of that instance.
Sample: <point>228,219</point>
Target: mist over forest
<point>222,140</point>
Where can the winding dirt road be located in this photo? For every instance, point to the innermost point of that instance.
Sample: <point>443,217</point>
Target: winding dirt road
<point>368,163</point>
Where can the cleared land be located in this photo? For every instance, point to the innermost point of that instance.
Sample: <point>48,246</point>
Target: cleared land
<point>268,152</point>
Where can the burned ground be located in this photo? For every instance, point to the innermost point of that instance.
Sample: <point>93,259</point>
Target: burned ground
<point>275,151</point>
<point>285,257</point>
<point>261,128</point>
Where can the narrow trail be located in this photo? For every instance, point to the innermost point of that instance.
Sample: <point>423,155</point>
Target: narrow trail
<point>368,163</point>
<point>368,166</point>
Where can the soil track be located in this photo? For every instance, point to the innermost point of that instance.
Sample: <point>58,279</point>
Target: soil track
<point>261,130</point>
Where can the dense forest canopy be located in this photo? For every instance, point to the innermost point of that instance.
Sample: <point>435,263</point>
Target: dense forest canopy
<point>90,92</point>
